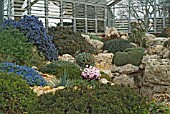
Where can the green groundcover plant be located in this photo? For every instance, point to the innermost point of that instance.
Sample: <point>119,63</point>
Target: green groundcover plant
<point>16,97</point>
<point>92,98</point>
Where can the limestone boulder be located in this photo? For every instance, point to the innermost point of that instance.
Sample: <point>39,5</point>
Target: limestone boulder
<point>67,57</point>
<point>159,74</point>
<point>126,69</point>
<point>149,39</point>
<point>103,61</point>
<point>98,45</point>
<point>124,79</point>
<point>112,32</point>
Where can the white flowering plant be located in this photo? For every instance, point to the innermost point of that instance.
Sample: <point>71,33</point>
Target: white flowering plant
<point>91,73</point>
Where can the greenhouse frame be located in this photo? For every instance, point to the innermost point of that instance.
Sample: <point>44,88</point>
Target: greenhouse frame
<point>93,15</point>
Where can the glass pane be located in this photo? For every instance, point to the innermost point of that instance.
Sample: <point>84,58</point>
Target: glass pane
<point>54,9</point>
<point>91,12</point>
<point>68,9</point>
<point>80,10</point>
<point>80,25</point>
<point>91,26</point>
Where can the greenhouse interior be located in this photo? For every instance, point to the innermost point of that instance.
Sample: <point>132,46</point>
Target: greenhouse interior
<point>85,56</point>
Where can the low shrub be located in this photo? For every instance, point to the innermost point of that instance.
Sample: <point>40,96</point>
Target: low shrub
<point>95,37</point>
<point>165,32</point>
<point>116,45</point>
<point>31,76</point>
<point>16,97</point>
<point>93,98</point>
<point>138,34</point>
<point>166,43</point>
<point>106,76</point>
<point>84,59</point>
<point>130,56</point>
<point>57,68</point>
<point>69,42</point>
<point>15,48</point>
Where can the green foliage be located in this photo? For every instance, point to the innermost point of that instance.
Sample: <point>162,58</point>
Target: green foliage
<point>15,48</point>
<point>166,43</point>
<point>93,98</point>
<point>104,75</point>
<point>165,32</point>
<point>155,108</point>
<point>138,37</point>
<point>69,42</point>
<point>16,96</point>
<point>94,37</point>
<point>130,56</point>
<point>142,50</point>
<point>57,68</point>
<point>116,45</point>
<point>63,79</point>
<point>84,59</point>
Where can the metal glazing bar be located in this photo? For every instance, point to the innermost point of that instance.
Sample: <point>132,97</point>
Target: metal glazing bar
<point>61,12</point>
<point>129,17</point>
<point>1,11</point>
<point>28,7</point>
<point>46,13</point>
<point>155,16</point>
<point>85,18</point>
<point>96,27</point>
<point>74,16</point>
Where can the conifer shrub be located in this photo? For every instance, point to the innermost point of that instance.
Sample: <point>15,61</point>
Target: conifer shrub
<point>84,59</point>
<point>93,98</point>
<point>16,97</point>
<point>129,56</point>
<point>69,42</point>
<point>116,45</point>
<point>57,68</point>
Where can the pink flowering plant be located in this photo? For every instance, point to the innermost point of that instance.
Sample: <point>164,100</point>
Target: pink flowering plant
<point>91,73</point>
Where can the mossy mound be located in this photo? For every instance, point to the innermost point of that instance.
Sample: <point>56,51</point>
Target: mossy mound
<point>130,56</point>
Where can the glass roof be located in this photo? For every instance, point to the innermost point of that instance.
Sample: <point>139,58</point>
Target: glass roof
<point>99,2</point>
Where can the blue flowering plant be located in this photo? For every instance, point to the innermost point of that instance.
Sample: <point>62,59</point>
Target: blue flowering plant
<point>31,76</point>
<point>33,28</point>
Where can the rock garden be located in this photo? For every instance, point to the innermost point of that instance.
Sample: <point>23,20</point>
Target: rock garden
<point>59,71</point>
